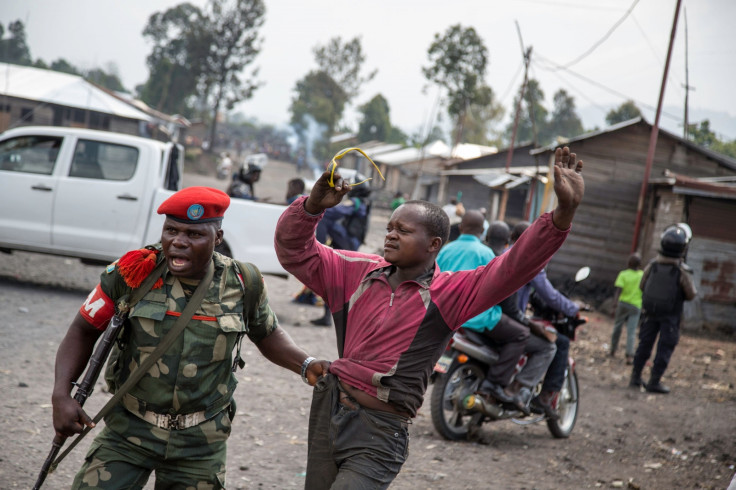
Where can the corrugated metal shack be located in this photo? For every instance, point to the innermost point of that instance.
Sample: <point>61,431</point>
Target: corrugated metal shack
<point>708,205</point>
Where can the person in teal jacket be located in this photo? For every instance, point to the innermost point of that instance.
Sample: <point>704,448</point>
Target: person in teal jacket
<point>467,253</point>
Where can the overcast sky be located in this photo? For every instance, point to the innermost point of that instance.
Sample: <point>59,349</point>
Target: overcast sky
<point>397,33</point>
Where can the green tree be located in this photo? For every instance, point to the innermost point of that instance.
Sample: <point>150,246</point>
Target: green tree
<point>315,111</point>
<point>14,49</point>
<point>376,121</point>
<point>233,35</point>
<point>702,135</point>
<point>397,135</point>
<point>64,66</point>
<point>533,118</point>
<point>564,120</point>
<point>177,59</point>
<point>203,54</point>
<point>108,79</point>
<point>624,112</point>
<point>480,119</point>
<point>343,62</point>
<point>457,63</point>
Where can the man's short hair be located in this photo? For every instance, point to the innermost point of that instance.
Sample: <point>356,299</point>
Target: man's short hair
<point>436,221</point>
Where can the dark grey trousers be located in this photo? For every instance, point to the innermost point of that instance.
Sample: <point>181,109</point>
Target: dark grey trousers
<point>352,449</point>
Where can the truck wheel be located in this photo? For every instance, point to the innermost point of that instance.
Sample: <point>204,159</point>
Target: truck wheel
<point>224,249</point>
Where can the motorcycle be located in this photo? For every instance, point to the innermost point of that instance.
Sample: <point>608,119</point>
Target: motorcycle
<point>458,411</point>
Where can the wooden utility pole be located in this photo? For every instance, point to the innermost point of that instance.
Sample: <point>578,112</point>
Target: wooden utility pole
<point>687,86</point>
<point>510,153</point>
<point>653,135</point>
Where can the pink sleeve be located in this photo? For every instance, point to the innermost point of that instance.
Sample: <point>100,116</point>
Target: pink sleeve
<point>470,293</point>
<point>322,269</point>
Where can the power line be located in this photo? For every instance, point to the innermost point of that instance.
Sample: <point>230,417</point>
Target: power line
<point>605,36</point>
<point>512,82</point>
<point>556,67</point>
<point>587,6</point>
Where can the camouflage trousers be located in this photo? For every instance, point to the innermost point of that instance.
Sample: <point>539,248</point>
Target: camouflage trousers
<point>128,450</point>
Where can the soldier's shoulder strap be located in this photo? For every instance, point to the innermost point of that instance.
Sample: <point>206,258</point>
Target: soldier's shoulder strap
<point>252,283</point>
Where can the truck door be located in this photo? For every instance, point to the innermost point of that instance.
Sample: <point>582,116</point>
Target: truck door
<point>27,189</point>
<point>101,203</point>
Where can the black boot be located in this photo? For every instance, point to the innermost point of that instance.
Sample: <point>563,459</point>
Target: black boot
<point>325,321</point>
<point>636,382</point>
<point>654,386</point>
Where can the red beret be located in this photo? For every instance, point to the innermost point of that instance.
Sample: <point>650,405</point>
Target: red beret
<point>196,205</point>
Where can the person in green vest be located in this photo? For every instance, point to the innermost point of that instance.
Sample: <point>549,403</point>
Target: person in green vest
<point>627,306</point>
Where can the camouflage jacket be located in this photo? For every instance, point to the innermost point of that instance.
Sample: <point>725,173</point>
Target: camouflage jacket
<point>195,373</point>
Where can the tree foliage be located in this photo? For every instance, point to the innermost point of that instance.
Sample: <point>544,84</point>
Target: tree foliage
<point>315,111</point>
<point>13,48</point>
<point>564,120</point>
<point>232,29</point>
<point>457,63</point>
<point>537,125</point>
<point>199,57</point>
<point>108,79</point>
<point>702,135</point>
<point>176,61</point>
<point>343,62</point>
<point>624,112</point>
<point>533,116</point>
<point>480,117</point>
<point>63,66</point>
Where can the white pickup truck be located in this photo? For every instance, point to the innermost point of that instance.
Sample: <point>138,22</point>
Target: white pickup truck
<point>94,195</point>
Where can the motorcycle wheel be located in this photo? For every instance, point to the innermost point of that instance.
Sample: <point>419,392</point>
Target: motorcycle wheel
<point>567,407</point>
<point>449,417</point>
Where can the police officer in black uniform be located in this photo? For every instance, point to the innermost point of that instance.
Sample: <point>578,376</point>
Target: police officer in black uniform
<point>667,282</point>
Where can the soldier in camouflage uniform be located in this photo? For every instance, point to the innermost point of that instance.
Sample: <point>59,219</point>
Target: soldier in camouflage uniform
<point>176,419</point>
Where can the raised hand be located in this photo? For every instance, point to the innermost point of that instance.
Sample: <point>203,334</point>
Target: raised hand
<point>569,186</point>
<point>323,195</point>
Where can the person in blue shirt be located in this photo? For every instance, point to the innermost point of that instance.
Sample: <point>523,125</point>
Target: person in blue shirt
<point>559,302</point>
<point>468,252</point>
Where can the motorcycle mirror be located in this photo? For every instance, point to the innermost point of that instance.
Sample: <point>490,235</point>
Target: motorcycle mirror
<point>583,273</point>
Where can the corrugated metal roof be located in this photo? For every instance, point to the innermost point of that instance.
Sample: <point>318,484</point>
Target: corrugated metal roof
<point>724,160</point>
<point>53,87</point>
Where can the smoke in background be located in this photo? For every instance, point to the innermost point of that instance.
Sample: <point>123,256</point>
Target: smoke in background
<point>306,136</point>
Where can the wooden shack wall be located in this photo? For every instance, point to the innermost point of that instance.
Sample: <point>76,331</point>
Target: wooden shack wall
<point>603,229</point>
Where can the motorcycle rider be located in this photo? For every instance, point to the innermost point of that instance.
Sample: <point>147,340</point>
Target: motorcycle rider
<point>666,284</point>
<point>243,180</point>
<point>540,348</point>
<point>543,403</point>
<point>509,338</point>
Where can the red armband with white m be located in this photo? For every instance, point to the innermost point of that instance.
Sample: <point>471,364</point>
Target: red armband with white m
<point>98,309</point>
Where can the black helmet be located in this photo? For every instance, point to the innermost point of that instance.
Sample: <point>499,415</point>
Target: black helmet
<point>673,242</point>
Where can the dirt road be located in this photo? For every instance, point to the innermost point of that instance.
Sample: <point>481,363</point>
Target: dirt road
<point>622,438</point>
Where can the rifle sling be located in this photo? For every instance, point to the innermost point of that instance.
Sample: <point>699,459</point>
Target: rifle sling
<point>192,305</point>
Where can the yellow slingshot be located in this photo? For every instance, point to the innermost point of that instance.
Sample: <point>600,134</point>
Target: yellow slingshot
<point>341,154</point>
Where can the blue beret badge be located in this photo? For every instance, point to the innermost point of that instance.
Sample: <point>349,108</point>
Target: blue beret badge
<point>195,212</point>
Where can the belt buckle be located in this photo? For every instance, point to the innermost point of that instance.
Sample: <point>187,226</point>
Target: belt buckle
<point>173,422</point>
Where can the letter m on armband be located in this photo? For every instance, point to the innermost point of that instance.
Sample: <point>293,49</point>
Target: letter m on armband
<point>98,308</point>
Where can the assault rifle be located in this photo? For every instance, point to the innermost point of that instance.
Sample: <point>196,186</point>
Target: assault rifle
<point>84,389</point>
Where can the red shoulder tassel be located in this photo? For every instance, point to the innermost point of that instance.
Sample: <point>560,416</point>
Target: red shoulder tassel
<point>136,265</point>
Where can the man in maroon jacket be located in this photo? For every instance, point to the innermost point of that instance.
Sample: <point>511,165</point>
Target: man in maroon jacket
<point>393,316</point>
